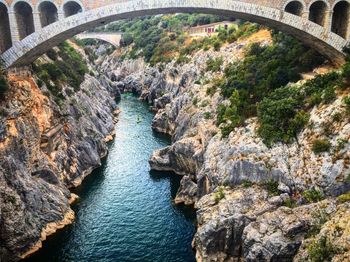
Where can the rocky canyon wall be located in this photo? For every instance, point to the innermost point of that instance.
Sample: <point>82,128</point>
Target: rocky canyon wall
<point>254,202</point>
<point>48,145</point>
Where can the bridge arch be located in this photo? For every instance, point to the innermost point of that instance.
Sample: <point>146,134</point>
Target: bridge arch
<point>37,7</point>
<point>48,12</point>
<point>318,11</point>
<point>295,7</point>
<point>12,6</point>
<point>72,7</point>
<point>5,4</point>
<point>310,33</point>
<point>111,38</point>
<point>24,18</point>
<point>5,41</point>
<point>340,18</point>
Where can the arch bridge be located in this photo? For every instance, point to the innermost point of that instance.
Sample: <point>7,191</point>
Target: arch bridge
<point>111,38</point>
<point>28,28</point>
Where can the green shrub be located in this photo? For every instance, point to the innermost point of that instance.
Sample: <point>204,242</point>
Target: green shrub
<point>313,195</point>
<point>44,76</point>
<point>329,95</point>
<point>343,198</point>
<point>246,183</point>
<point>290,202</point>
<point>220,194</point>
<point>182,60</point>
<point>319,218</point>
<point>195,101</point>
<point>346,71</point>
<point>205,103</point>
<point>321,250</point>
<point>52,54</point>
<point>280,120</point>
<point>211,90</point>
<point>40,83</point>
<point>207,115</point>
<point>341,143</point>
<point>3,86</point>
<point>346,101</point>
<point>337,117</point>
<point>272,187</point>
<point>214,64</point>
<point>53,70</point>
<point>217,45</point>
<point>229,115</point>
<point>320,146</point>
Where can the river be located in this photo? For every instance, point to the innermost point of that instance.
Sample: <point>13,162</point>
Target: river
<point>125,211</point>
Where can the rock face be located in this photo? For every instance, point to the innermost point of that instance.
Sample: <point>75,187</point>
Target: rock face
<point>47,145</point>
<point>239,222</point>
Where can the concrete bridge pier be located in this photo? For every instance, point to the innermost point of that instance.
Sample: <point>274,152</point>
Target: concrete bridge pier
<point>37,21</point>
<point>328,21</point>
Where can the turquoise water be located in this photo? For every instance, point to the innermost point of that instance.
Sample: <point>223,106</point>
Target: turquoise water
<point>125,211</point>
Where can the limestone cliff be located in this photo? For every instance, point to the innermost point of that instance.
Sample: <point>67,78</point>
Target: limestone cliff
<point>249,196</point>
<point>47,145</point>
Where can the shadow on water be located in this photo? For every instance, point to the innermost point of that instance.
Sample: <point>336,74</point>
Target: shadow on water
<point>188,211</point>
<point>92,182</point>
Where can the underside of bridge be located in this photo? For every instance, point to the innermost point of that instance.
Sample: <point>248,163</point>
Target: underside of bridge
<point>340,22</point>
<point>295,8</point>
<point>5,32</point>
<point>48,13</point>
<point>24,18</point>
<point>71,8</point>
<point>318,12</point>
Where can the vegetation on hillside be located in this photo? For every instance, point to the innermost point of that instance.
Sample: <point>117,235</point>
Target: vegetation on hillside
<point>67,67</point>
<point>258,86</point>
<point>162,38</point>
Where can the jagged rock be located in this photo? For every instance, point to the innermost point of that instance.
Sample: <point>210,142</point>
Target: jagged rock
<point>283,188</point>
<point>187,191</point>
<point>179,157</point>
<point>221,225</point>
<point>277,235</point>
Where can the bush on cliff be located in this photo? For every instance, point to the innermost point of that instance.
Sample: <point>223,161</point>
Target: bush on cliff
<point>3,82</point>
<point>70,69</point>
<point>214,64</point>
<point>261,81</point>
<point>3,86</point>
<point>321,145</point>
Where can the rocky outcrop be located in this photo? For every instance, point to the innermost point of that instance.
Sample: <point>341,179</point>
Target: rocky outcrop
<point>249,223</point>
<point>242,222</point>
<point>47,145</point>
<point>187,192</point>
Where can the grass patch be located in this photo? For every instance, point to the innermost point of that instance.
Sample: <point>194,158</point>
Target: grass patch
<point>313,195</point>
<point>272,187</point>
<point>320,146</point>
<point>321,250</point>
<point>220,194</point>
